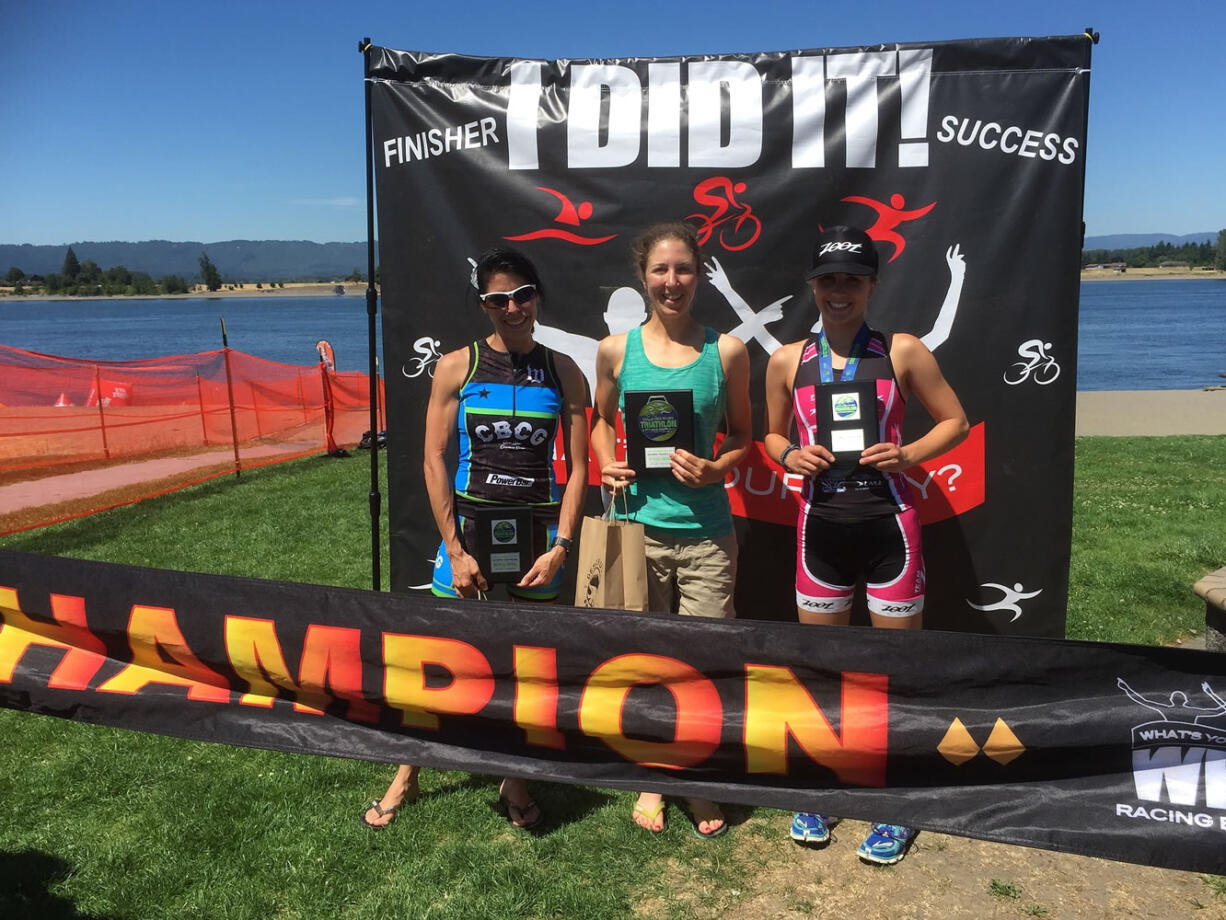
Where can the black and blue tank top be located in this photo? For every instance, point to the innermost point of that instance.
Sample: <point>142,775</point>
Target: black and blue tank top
<point>510,405</point>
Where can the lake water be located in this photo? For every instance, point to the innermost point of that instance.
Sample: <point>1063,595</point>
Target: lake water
<point>1151,335</point>
<point>283,329</point>
<point>1134,335</point>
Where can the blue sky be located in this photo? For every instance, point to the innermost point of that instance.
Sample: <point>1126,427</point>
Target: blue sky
<point>134,120</point>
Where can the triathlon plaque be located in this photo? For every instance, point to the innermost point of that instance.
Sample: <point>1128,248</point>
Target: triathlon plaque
<point>657,422</point>
<point>847,418</point>
<point>504,542</point>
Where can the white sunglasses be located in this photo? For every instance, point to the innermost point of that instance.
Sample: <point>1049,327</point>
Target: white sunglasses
<point>500,300</point>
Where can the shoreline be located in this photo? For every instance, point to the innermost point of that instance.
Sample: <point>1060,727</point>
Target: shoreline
<point>313,289</point>
<point>250,292</point>
<point>1151,274</point>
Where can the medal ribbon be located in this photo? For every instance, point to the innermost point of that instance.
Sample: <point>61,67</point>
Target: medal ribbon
<point>825,366</point>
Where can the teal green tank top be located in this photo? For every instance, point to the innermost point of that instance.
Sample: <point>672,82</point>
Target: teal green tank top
<point>661,502</point>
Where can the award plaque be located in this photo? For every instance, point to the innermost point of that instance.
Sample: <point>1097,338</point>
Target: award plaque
<point>504,542</point>
<point>657,422</point>
<point>847,418</point>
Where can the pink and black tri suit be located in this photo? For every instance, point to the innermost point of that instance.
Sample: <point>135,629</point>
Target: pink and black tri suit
<point>856,522</point>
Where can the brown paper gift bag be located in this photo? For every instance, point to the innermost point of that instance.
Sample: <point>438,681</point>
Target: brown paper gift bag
<point>612,571</point>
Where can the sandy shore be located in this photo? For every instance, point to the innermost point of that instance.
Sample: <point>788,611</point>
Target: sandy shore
<point>1118,413</point>
<point>1152,274</point>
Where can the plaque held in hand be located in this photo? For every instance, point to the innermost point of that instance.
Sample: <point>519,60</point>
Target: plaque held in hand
<point>657,422</point>
<point>504,542</point>
<point>847,419</point>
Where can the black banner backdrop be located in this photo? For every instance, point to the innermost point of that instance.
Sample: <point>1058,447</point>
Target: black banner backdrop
<point>964,160</point>
<point>1106,750</point>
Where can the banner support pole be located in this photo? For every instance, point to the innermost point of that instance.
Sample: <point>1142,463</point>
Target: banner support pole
<point>372,309</point>
<point>1093,38</point>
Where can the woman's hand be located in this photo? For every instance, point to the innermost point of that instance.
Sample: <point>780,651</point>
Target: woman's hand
<point>886,457</point>
<point>466,575</point>
<point>693,471</point>
<point>544,568</point>
<point>616,475</point>
<point>808,461</point>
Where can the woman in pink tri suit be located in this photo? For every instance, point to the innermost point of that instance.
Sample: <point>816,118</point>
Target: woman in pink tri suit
<point>857,519</point>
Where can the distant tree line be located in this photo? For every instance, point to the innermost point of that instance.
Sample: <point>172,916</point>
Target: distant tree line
<point>86,279</point>
<point>1204,254</point>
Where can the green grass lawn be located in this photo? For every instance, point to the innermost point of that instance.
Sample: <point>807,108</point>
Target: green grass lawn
<point>98,822</point>
<point>1149,520</point>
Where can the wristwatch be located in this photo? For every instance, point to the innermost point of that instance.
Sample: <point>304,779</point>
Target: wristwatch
<point>565,542</point>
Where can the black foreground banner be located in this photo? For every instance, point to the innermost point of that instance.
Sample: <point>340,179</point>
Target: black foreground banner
<point>1107,750</point>
<point>964,160</point>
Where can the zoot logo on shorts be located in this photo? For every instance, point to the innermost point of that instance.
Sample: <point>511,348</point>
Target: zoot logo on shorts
<point>811,604</point>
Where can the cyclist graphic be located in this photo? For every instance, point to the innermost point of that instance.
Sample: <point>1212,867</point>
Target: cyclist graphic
<point>719,192</point>
<point>1041,365</point>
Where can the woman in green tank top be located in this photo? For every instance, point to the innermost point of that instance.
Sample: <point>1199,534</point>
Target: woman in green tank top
<point>691,546</point>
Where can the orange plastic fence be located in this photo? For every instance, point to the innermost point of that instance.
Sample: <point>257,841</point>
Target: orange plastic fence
<point>56,410</point>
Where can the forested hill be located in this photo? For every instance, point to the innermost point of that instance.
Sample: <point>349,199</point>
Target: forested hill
<point>301,260</point>
<point>237,260</point>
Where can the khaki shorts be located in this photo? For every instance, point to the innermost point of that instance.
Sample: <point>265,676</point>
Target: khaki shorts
<point>693,576</point>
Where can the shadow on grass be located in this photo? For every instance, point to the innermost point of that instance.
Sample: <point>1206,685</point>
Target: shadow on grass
<point>560,803</point>
<point>26,879</point>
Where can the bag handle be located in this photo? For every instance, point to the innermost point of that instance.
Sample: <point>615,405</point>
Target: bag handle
<point>611,509</point>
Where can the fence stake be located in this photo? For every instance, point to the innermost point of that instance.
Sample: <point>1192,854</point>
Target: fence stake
<point>225,351</point>
<point>106,449</point>
<point>204,425</point>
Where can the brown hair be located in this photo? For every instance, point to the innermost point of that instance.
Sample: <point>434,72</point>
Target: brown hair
<point>673,230</point>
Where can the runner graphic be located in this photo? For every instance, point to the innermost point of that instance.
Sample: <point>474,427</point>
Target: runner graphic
<point>890,216</point>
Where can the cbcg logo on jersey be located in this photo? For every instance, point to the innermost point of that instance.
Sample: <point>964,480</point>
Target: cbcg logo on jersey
<point>502,430</point>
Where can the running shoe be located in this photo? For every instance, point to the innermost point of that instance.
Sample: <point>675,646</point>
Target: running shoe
<point>885,844</point>
<point>809,828</point>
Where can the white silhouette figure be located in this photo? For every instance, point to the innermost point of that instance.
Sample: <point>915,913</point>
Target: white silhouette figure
<point>1179,704</point>
<point>1042,365</point>
<point>1009,599</point>
<point>935,337</point>
<point>624,311</point>
<point>753,323</point>
<point>940,330</point>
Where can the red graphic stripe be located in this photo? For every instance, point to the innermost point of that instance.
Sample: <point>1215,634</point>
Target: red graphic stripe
<point>554,234</point>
